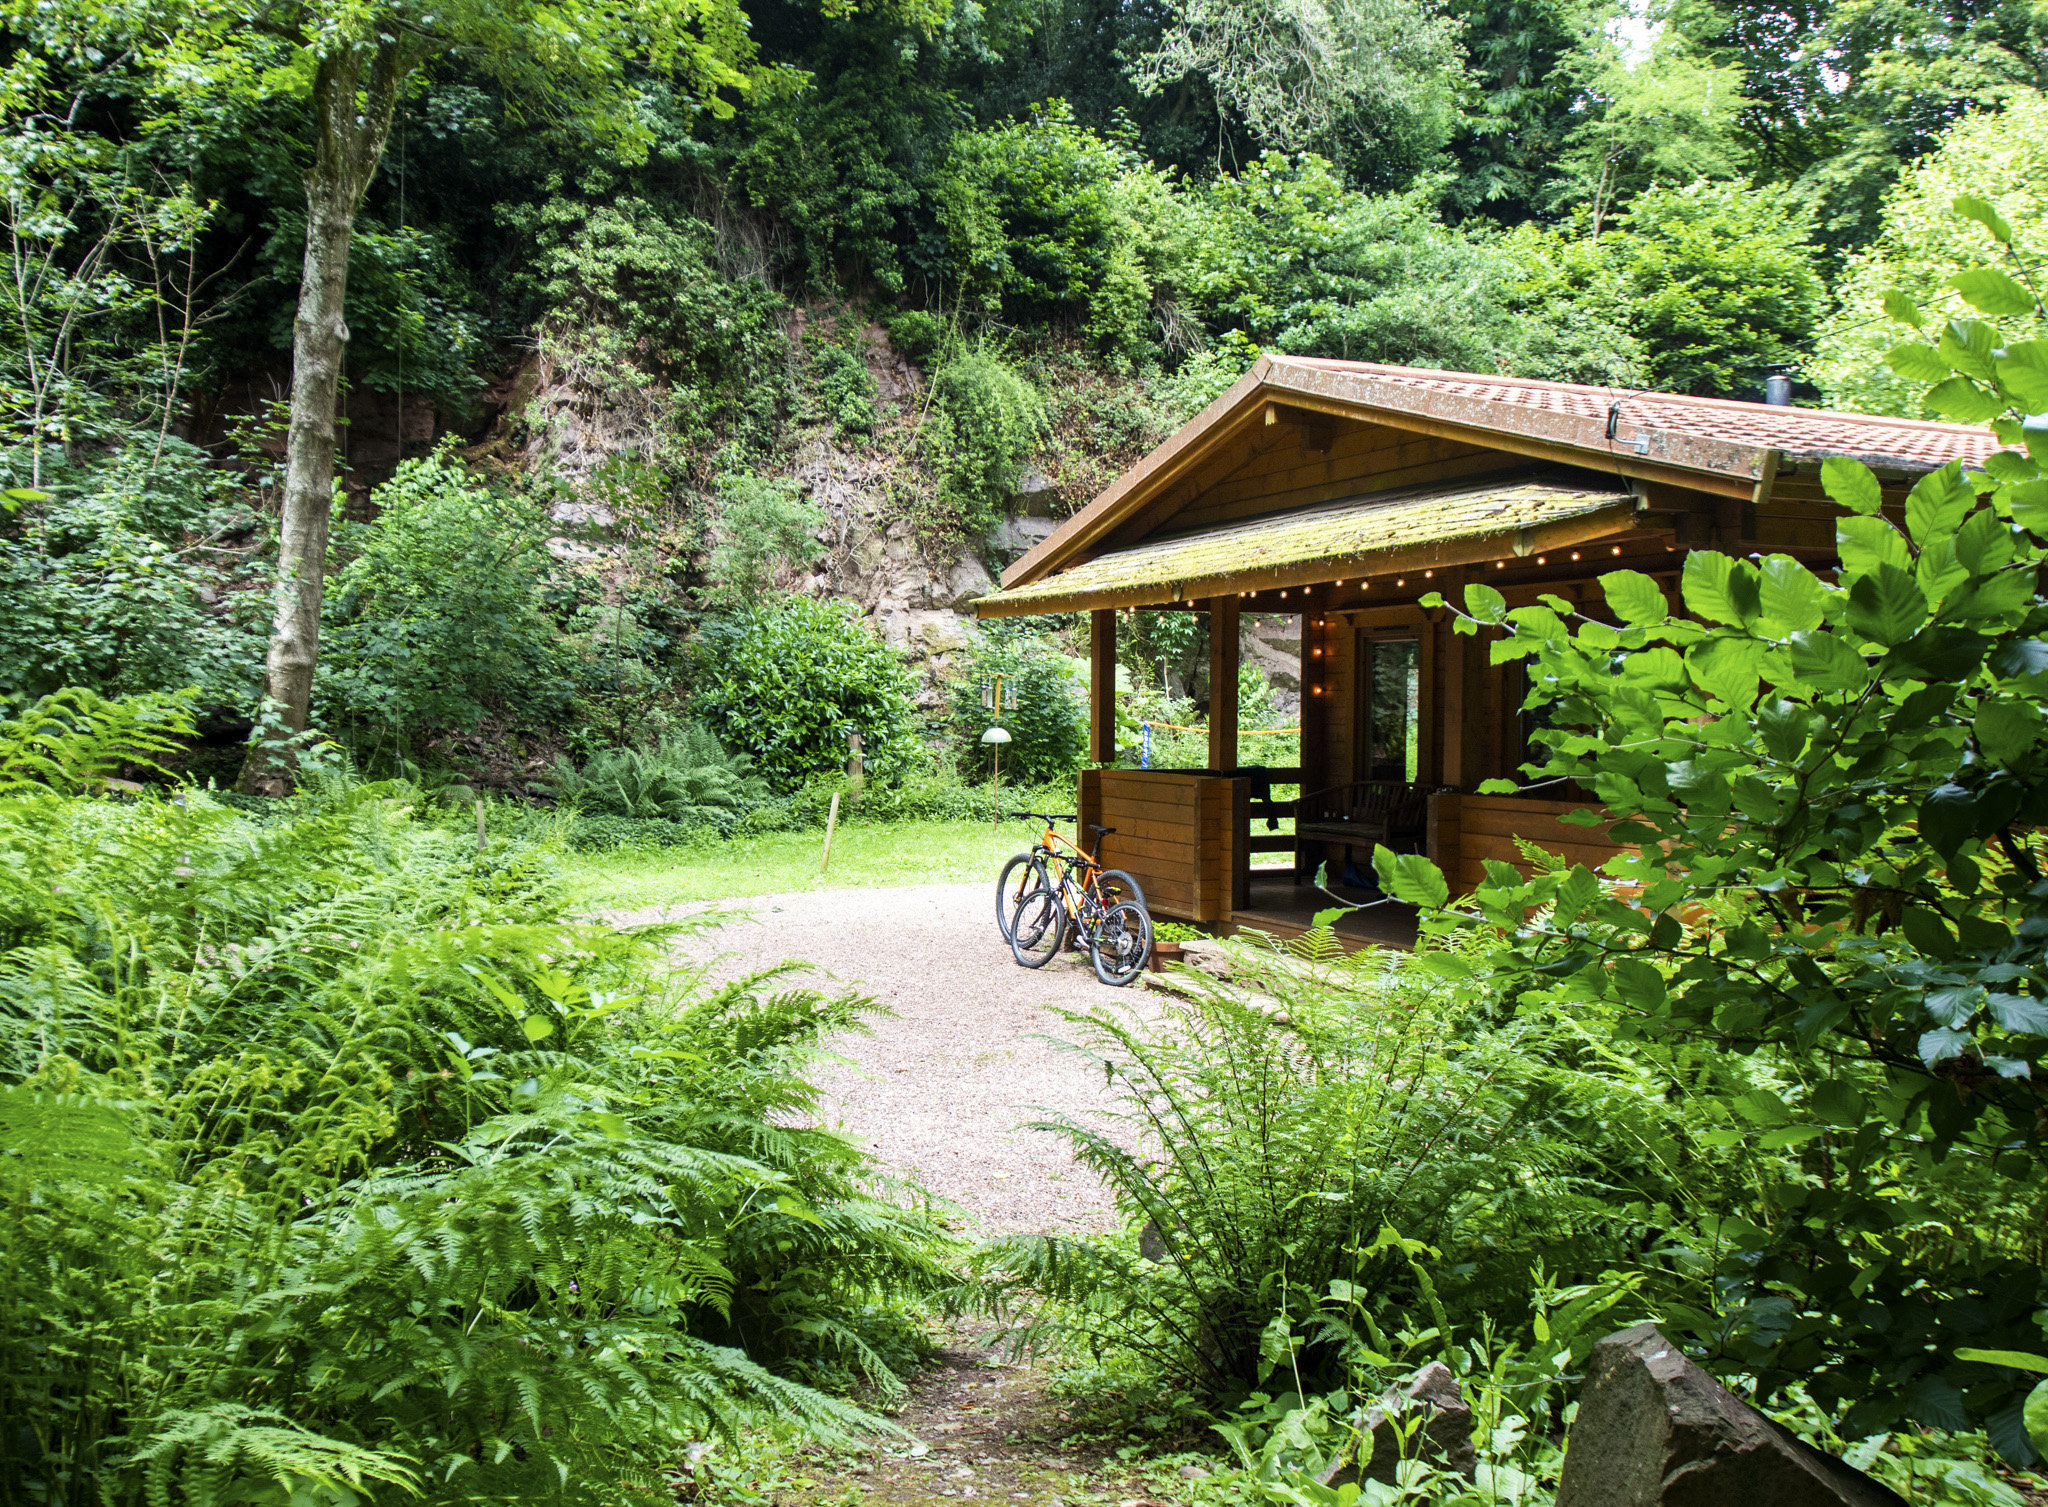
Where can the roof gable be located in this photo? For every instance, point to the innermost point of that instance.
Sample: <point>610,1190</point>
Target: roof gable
<point>1480,423</point>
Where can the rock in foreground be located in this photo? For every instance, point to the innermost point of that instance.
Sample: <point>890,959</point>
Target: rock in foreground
<point>1654,1430</point>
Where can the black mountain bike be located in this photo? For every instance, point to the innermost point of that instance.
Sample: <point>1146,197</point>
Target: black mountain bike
<point>1063,894</point>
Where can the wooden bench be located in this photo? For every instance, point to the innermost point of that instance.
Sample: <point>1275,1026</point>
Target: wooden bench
<point>1364,814</point>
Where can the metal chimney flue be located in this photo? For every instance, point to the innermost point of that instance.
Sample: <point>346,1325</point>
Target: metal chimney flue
<point>1778,390</point>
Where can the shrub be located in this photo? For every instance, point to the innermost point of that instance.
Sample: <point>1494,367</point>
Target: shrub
<point>454,1198</point>
<point>101,591</point>
<point>1048,728</point>
<point>438,620</point>
<point>1836,788</point>
<point>986,416</point>
<point>762,524</point>
<point>782,682</point>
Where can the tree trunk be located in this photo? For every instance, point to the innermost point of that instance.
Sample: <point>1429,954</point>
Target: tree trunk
<point>352,118</point>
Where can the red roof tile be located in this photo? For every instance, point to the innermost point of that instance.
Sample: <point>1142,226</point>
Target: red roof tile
<point>1800,432</point>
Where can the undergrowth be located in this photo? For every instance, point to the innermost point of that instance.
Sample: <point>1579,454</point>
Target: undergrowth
<point>338,1164</point>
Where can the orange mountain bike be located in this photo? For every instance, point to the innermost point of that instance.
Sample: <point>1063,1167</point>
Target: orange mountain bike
<point>1063,893</point>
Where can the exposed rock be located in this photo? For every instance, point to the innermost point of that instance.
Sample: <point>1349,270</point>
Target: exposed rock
<point>1019,533</point>
<point>1034,493</point>
<point>1208,955</point>
<point>968,579</point>
<point>1654,1430</point>
<point>1445,1438</point>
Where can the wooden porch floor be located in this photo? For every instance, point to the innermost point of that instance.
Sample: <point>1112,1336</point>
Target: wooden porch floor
<point>1284,909</point>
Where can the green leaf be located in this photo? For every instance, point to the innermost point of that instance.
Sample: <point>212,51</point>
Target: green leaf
<point>1963,400</point>
<point>1634,597</point>
<point>2026,382</point>
<point>1719,587</point>
<point>1934,1401</point>
<point>1824,661</point>
<point>1486,604</point>
<point>1948,818</point>
<point>2037,1417</point>
<point>1790,1135</point>
<point>1727,668</point>
<point>1851,483</point>
<point>1967,344</point>
<point>1411,878</point>
<point>1498,787</point>
<point>537,1027</point>
<point>2019,1014</point>
<point>1761,1107</point>
<point>1990,291</point>
<point>2006,728</point>
<point>1917,362</point>
<point>1901,308</point>
<point>1936,654</point>
<point>1938,503</point>
<point>1791,596</point>
<point>1970,207</point>
<point>1866,543</point>
<point>1838,1103</point>
<point>1886,605</point>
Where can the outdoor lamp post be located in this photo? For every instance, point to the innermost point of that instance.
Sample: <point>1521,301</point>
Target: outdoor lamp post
<point>996,737</point>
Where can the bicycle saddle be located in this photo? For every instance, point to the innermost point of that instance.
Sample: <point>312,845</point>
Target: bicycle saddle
<point>1105,831</point>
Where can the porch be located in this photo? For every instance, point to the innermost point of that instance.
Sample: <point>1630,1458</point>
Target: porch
<point>1192,839</point>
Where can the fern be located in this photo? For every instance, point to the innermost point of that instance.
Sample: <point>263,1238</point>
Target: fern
<point>1263,1144</point>
<point>339,1164</point>
<point>74,739</point>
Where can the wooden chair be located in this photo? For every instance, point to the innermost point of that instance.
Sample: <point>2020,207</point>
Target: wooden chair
<point>1363,814</point>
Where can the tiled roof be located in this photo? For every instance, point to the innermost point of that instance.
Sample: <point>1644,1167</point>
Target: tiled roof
<point>1801,433</point>
<point>1357,537</point>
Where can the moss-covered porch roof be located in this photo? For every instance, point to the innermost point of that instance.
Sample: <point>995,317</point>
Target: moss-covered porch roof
<point>1410,529</point>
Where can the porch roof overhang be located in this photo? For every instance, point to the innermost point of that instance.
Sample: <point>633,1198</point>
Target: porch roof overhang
<point>1414,528</point>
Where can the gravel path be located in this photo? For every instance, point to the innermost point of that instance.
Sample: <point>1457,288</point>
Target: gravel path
<point>940,1091</point>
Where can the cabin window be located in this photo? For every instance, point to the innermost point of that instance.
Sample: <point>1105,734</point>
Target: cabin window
<point>1393,719</point>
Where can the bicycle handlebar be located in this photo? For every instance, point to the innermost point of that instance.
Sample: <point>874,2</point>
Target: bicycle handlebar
<point>1040,816</point>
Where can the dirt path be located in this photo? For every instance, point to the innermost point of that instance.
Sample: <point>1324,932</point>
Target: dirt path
<point>983,1430</point>
<point>940,1092</point>
<point>942,1088</point>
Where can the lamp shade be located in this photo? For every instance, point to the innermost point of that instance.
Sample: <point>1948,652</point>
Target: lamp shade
<point>996,735</point>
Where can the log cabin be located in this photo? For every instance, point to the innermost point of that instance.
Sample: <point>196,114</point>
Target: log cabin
<point>1343,492</point>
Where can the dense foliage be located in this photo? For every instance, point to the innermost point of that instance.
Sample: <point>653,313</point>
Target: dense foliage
<point>338,1162</point>
<point>1836,789</point>
<point>785,683</point>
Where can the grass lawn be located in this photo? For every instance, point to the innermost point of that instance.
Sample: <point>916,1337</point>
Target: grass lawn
<point>778,863</point>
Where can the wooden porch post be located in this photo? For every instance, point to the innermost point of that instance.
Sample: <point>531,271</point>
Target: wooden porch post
<point>1102,686</point>
<point>1315,707</point>
<point>1223,653</point>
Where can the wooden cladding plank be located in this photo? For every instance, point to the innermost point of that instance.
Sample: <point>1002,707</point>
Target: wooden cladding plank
<point>1426,469</point>
<point>1285,473</point>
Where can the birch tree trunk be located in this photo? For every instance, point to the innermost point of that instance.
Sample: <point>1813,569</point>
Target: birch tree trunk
<point>354,93</point>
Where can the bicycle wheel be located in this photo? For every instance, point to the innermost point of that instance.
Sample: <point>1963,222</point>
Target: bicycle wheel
<point>1120,943</point>
<point>1117,886</point>
<point>1038,923</point>
<point>1016,878</point>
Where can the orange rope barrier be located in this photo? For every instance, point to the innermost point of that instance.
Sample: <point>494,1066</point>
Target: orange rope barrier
<point>1242,732</point>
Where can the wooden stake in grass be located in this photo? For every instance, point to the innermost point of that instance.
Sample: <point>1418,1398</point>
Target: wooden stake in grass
<point>831,821</point>
<point>483,836</point>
